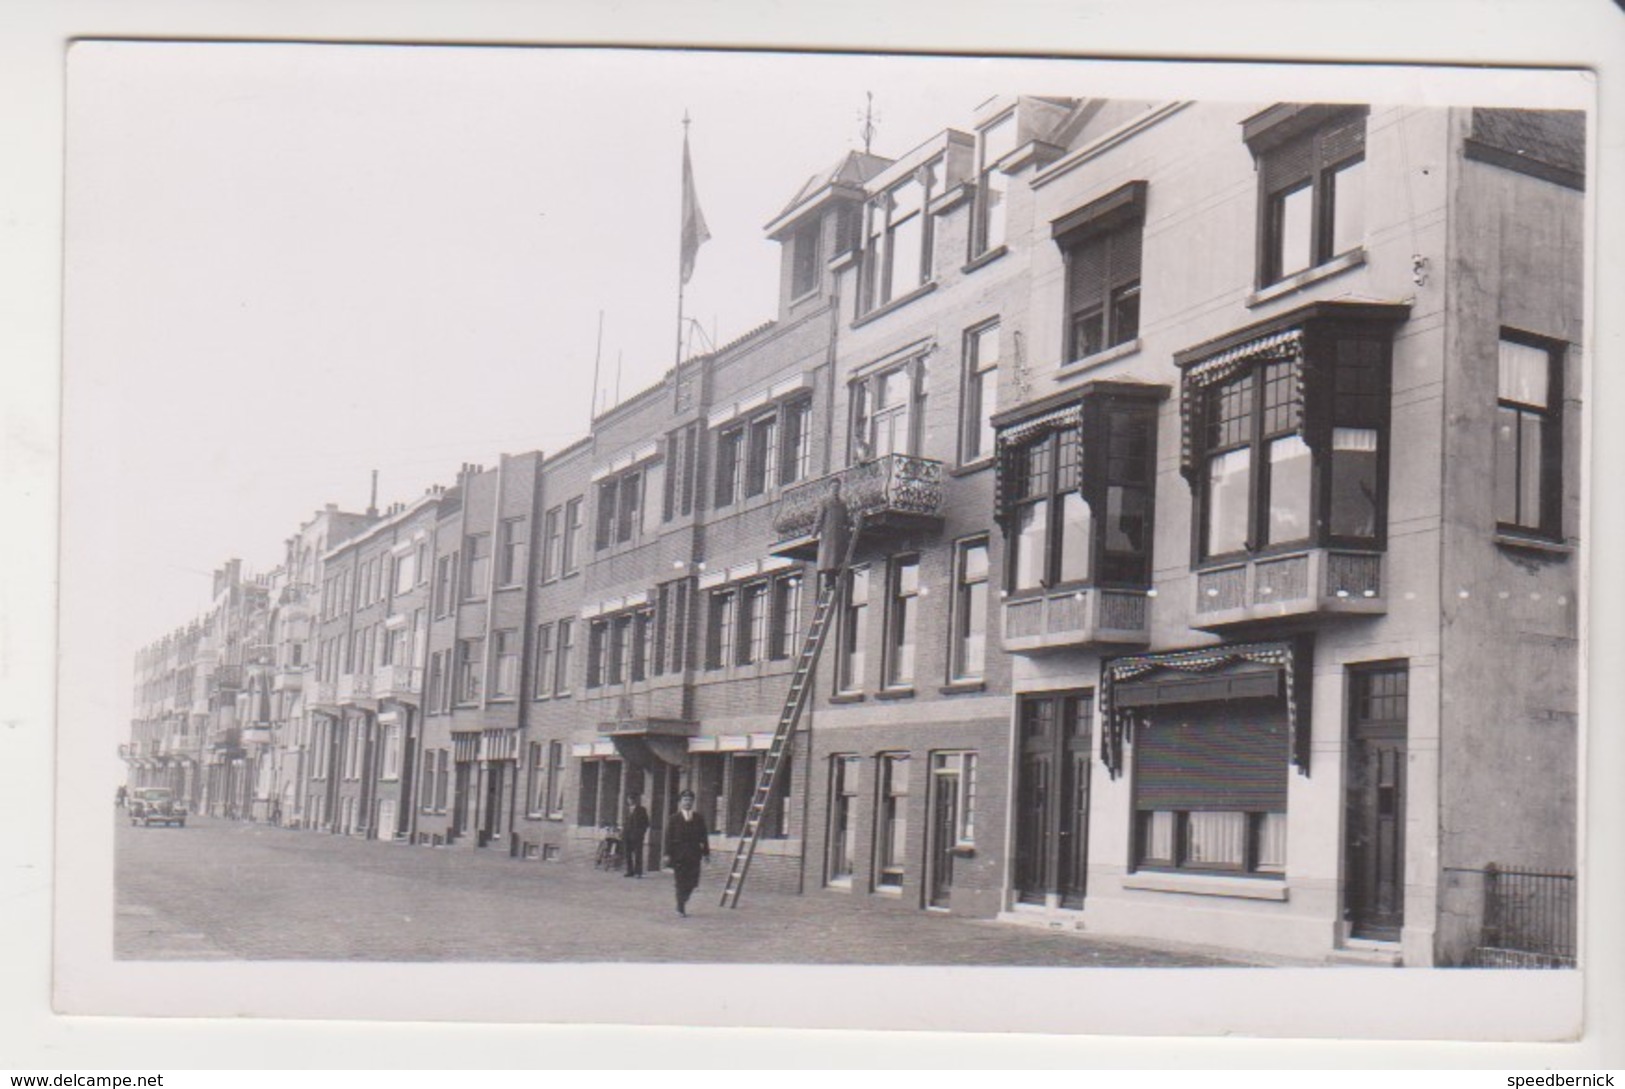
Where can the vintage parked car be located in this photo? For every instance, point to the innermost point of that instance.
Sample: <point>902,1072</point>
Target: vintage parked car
<point>156,805</point>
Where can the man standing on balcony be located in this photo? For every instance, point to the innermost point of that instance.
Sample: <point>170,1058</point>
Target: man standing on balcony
<point>834,536</point>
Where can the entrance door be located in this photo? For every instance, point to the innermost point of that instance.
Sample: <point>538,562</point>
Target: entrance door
<point>951,775</point>
<point>662,800</point>
<point>491,822</point>
<point>460,798</point>
<point>1052,797</point>
<point>1374,858</point>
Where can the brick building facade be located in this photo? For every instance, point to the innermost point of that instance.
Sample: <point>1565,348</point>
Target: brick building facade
<point>1217,474</point>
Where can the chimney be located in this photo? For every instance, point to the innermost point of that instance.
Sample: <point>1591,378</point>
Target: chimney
<point>372,504</point>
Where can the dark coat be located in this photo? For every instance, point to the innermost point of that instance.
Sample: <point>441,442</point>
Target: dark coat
<point>637,824</point>
<point>687,840</point>
<point>834,534</point>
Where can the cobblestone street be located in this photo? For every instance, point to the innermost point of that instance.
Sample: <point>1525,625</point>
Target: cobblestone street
<point>227,890</point>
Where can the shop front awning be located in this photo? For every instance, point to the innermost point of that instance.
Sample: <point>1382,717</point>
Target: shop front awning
<point>650,743</point>
<point>1133,688</point>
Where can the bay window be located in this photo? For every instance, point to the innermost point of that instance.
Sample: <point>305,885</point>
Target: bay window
<point>1285,431</point>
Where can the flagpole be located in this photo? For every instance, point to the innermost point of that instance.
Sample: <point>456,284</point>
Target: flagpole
<point>681,255</point>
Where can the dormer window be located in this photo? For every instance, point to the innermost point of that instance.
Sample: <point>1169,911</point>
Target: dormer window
<point>993,143</point>
<point>897,240</point>
<point>804,260</point>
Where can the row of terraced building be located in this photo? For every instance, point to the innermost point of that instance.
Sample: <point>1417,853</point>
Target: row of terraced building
<point>1219,471</point>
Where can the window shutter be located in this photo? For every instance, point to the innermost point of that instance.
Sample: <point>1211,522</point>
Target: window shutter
<point>1086,274</point>
<point>1291,163</point>
<point>1125,255</point>
<point>1226,756</point>
<point>1343,140</point>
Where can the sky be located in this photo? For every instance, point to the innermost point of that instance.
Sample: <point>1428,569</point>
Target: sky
<point>289,265</point>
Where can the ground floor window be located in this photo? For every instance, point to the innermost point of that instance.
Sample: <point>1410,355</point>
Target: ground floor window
<point>891,832</point>
<point>598,793</point>
<point>844,773</point>
<point>1210,786</point>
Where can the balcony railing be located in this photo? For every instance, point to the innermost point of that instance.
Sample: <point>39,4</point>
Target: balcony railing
<point>1315,581</point>
<point>325,697</point>
<point>891,490</point>
<point>354,687</point>
<point>1077,618</point>
<point>398,682</point>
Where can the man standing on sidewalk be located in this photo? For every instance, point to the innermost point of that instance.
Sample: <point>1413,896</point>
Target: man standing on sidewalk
<point>688,843</point>
<point>634,829</point>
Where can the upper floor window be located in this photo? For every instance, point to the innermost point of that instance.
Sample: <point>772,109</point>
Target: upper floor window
<point>993,143</point>
<point>406,572</point>
<point>897,247</point>
<point>853,630</point>
<point>512,557</point>
<point>981,396</point>
<point>1529,436</point>
<point>477,556</point>
<point>505,674</point>
<point>571,559</point>
<point>1078,511</point>
<point>730,459</point>
<point>968,651</point>
<point>769,449</point>
<point>561,657</point>
<point>720,625</point>
<point>804,262</point>
<point>795,462</point>
<point>445,577</point>
<point>902,621</point>
<point>1285,433</point>
<point>1311,162</point>
<point>470,670</point>
<point>887,407</point>
<point>677,486</point>
<point>552,543</point>
<point>1100,244</point>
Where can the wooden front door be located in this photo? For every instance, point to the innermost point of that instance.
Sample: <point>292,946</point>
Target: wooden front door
<point>1374,856</point>
<point>1052,797</point>
<point>944,831</point>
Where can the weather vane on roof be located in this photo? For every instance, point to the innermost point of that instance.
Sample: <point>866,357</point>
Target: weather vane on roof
<point>868,129</point>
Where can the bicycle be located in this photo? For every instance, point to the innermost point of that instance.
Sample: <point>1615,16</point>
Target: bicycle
<point>609,849</point>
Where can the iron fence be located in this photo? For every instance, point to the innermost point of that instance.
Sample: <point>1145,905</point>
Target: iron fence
<point>1530,920</point>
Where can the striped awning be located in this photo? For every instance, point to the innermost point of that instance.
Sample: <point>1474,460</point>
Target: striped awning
<point>1293,659</point>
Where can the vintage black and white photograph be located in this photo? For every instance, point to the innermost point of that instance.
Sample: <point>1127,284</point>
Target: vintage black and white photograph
<point>593,510</point>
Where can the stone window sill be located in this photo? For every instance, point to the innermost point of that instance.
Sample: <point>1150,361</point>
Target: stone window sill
<point>1098,359</point>
<point>985,258</point>
<point>896,304</point>
<point>1508,539</point>
<point>1298,281</point>
<point>1240,888</point>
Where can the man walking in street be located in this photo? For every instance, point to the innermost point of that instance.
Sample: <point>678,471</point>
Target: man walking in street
<point>633,831</point>
<point>688,843</point>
